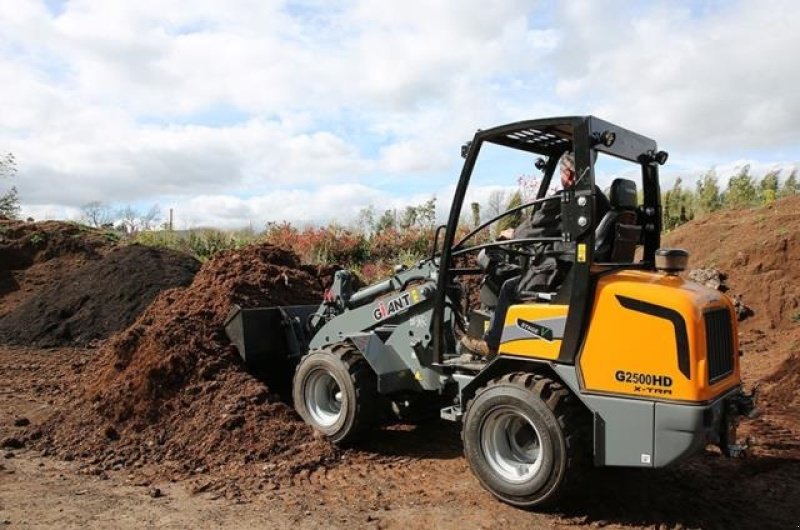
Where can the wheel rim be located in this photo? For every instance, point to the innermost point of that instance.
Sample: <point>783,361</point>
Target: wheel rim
<point>323,398</point>
<point>511,444</point>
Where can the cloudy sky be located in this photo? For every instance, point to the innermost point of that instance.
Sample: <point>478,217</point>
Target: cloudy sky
<point>246,111</point>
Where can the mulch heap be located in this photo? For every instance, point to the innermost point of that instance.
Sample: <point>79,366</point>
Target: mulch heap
<point>33,254</point>
<point>171,390</point>
<point>97,299</point>
<point>23,244</point>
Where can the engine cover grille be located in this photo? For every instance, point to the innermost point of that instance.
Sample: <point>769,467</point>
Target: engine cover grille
<point>719,344</point>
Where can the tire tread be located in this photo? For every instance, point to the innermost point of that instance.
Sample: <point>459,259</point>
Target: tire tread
<point>367,403</point>
<point>571,415</point>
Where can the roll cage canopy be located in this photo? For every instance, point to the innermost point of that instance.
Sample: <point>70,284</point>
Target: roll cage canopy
<point>550,138</point>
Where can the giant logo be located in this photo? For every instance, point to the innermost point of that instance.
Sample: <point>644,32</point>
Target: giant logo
<point>390,307</point>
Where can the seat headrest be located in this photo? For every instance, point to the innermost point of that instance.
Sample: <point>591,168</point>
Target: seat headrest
<point>623,194</point>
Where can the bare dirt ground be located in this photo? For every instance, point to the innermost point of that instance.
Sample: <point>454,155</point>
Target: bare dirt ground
<point>406,477</point>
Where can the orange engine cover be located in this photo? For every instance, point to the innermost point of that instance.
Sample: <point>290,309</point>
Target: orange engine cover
<point>659,336</point>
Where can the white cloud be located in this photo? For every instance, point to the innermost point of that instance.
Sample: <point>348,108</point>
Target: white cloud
<point>713,82</point>
<point>337,107</point>
<point>410,156</point>
<point>324,204</point>
<point>42,212</point>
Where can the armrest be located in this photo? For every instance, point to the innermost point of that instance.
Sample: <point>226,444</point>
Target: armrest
<point>537,296</point>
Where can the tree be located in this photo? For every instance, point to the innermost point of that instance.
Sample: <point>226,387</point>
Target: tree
<point>528,186</point>
<point>741,190</point>
<point>385,222</point>
<point>512,220</point>
<point>423,215</point>
<point>426,213</point>
<point>768,187</point>
<point>409,218</point>
<point>708,197</point>
<point>365,220</point>
<point>9,201</point>
<point>687,206</point>
<point>790,186</point>
<point>9,204</point>
<point>677,206</point>
<point>129,219</point>
<point>149,219</point>
<point>494,207</point>
<point>96,214</point>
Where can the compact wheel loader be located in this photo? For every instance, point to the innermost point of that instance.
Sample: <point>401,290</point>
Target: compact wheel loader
<point>624,363</point>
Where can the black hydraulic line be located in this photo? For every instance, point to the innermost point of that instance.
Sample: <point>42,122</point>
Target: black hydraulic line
<point>523,241</point>
<point>439,229</point>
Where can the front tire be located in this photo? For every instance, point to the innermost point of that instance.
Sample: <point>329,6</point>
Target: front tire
<point>335,392</point>
<point>522,438</point>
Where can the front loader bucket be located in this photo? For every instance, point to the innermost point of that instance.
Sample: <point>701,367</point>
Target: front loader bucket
<point>271,341</point>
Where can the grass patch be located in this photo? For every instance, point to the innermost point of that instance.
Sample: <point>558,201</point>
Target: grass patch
<point>38,238</point>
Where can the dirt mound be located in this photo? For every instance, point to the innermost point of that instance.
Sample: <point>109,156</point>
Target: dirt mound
<point>171,389</point>
<point>33,254</point>
<point>98,299</point>
<point>23,244</point>
<point>759,250</point>
<point>784,384</point>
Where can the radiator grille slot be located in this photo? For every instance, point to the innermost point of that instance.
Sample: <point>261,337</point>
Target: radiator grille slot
<point>719,344</point>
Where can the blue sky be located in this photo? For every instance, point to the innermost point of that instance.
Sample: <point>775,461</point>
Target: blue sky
<point>246,111</point>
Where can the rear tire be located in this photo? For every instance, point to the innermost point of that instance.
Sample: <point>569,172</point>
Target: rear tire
<point>523,438</point>
<point>336,392</point>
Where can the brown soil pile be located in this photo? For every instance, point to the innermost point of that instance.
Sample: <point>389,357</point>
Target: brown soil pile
<point>23,244</point>
<point>32,255</point>
<point>97,299</point>
<point>172,390</point>
<point>785,382</point>
<point>759,250</point>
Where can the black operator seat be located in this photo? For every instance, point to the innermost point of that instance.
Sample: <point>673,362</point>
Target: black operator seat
<point>618,232</point>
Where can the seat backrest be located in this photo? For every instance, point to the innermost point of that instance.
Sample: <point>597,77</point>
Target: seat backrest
<point>618,232</point>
